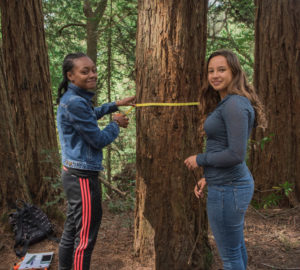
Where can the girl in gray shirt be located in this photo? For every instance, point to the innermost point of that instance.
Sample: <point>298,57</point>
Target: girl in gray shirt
<point>231,108</point>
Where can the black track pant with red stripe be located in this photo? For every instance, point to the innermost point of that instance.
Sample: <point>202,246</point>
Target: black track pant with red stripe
<point>82,223</point>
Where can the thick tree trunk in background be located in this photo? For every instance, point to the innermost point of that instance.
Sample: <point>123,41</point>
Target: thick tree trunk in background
<point>277,78</point>
<point>170,55</point>
<point>29,98</point>
<point>12,179</point>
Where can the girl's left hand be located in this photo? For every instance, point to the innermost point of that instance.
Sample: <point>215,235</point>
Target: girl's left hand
<point>198,190</point>
<point>129,101</point>
<point>191,162</point>
<point>121,119</point>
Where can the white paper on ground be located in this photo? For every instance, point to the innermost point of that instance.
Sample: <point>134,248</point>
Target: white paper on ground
<point>29,263</point>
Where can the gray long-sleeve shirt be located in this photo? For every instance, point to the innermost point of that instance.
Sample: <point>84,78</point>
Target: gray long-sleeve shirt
<point>228,129</point>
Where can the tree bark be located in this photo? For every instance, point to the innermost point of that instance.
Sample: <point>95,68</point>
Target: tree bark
<point>35,151</point>
<point>12,178</point>
<point>276,77</point>
<point>170,223</point>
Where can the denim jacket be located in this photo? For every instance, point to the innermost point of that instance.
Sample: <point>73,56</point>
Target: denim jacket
<point>80,137</point>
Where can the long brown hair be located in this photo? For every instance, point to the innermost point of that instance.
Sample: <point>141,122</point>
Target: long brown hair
<point>209,98</point>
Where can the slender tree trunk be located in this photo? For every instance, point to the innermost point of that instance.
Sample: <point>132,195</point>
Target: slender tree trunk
<point>170,223</point>
<point>29,99</point>
<point>92,33</point>
<point>109,66</point>
<point>277,69</point>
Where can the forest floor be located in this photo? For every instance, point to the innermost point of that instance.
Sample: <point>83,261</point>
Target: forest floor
<point>271,242</point>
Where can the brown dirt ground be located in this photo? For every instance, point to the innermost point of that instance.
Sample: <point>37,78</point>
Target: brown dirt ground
<point>272,241</point>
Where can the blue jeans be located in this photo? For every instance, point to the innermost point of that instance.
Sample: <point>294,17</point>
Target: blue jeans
<point>226,208</point>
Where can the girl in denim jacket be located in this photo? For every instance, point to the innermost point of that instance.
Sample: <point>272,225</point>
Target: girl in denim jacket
<point>81,143</point>
<point>230,108</point>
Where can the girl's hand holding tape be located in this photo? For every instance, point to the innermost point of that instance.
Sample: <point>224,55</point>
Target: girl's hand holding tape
<point>129,101</point>
<point>122,119</point>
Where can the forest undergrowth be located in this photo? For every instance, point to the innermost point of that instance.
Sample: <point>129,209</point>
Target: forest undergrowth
<point>272,237</point>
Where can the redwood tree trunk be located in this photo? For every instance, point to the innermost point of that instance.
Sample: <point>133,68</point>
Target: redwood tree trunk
<point>277,78</point>
<point>170,223</point>
<point>12,178</point>
<point>29,98</point>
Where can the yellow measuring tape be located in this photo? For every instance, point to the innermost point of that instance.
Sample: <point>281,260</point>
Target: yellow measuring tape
<point>153,104</point>
<point>166,104</point>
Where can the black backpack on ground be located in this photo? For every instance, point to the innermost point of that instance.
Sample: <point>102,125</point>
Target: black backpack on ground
<point>30,225</point>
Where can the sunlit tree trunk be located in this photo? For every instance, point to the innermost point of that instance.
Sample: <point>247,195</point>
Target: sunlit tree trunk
<point>32,133</point>
<point>170,223</point>
<point>277,78</point>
